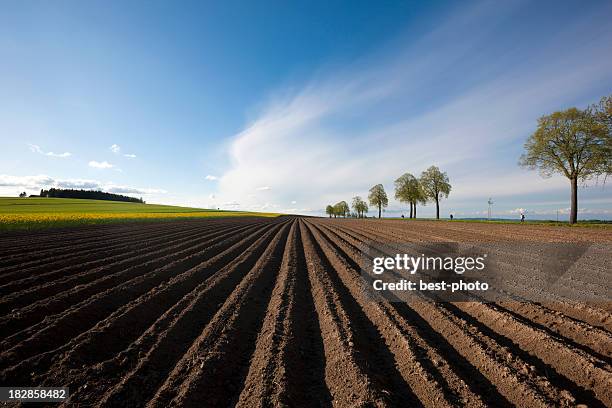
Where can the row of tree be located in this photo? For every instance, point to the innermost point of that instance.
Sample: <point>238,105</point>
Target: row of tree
<point>87,194</point>
<point>575,143</point>
<point>341,209</point>
<point>431,186</point>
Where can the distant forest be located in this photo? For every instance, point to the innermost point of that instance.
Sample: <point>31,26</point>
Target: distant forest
<point>88,194</point>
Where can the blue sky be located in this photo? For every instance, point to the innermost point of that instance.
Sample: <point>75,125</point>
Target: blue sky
<point>289,106</point>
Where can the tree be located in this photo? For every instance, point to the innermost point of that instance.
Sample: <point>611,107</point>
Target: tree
<point>359,206</point>
<point>88,194</point>
<point>378,198</point>
<point>341,208</point>
<point>329,210</point>
<point>363,207</point>
<point>408,190</point>
<point>435,186</point>
<point>575,143</point>
<point>22,195</point>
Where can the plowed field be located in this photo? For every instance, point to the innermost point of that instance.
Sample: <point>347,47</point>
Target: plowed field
<point>273,312</point>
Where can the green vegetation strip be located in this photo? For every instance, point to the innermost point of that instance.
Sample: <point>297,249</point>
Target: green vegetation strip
<point>585,223</point>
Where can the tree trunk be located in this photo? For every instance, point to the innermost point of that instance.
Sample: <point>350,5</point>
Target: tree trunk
<point>437,208</point>
<point>411,210</point>
<point>415,211</point>
<point>379,210</point>
<point>574,201</point>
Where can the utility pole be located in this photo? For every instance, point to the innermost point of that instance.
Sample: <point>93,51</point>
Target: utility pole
<point>490,202</point>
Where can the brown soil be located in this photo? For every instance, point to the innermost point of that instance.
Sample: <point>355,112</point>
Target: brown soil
<point>274,312</point>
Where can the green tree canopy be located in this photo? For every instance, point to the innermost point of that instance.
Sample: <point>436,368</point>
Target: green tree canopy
<point>360,206</point>
<point>408,190</point>
<point>575,143</point>
<point>342,209</point>
<point>329,210</point>
<point>378,198</point>
<point>435,186</point>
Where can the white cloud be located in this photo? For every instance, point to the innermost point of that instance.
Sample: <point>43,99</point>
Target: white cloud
<point>231,204</point>
<point>337,136</point>
<point>25,181</point>
<point>132,190</point>
<point>496,184</point>
<point>294,202</point>
<point>62,155</point>
<point>115,148</point>
<point>211,196</point>
<point>211,177</point>
<point>44,181</point>
<point>36,149</point>
<point>100,165</point>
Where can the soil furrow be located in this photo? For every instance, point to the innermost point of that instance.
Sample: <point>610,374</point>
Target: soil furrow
<point>269,312</point>
<point>51,267</point>
<point>33,314</point>
<point>288,367</point>
<point>479,354</point>
<point>26,293</point>
<point>67,249</point>
<point>438,359</point>
<point>559,324</point>
<point>366,337</point>
<point>59,331</point>
<point>216,362</point>
<point>145,362</point>
<point>570,382</point>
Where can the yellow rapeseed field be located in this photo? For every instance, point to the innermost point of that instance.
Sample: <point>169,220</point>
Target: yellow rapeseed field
<point>34,213</point>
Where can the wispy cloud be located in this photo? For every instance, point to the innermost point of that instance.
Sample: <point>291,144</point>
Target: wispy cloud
<point>211,177</point>
<point>44,181</point>
<point>100,165</point>
<point>37,149</point>
<point>119,189</point>
<point>435,102</point>
<point>263,188</point>
<point>115,148</point>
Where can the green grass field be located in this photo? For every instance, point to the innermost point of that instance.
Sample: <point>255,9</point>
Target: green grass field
<point>35,213</point>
